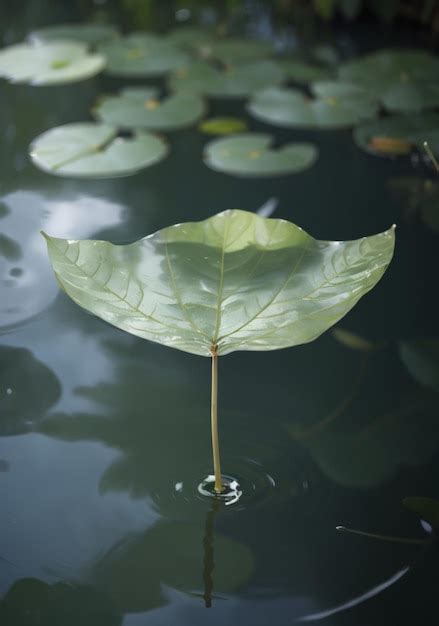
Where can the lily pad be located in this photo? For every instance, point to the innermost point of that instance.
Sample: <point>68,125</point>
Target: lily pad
<point>223,126</point>
<point>232,51</point>
<point>56,62</point>
<point>250,154</point>
<point>141,108</point>
<point>399,134</point>
<point>291,108</point>
<point>88,33</point>
<point>191,37</point>
<point>403,80</point>
<point>87,150</point>
<point>421,357</point>
<point>304,72</point>
<point>236,281</point>
<point>142,55</point>
<point>427,508</point>
<point>235,82</point>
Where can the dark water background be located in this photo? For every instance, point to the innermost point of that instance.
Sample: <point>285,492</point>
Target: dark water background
<point>104,437</point>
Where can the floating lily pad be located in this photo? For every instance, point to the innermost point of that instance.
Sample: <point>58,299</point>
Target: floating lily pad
<point>193,38</point>
<point>403,80</point>
<point>51,63</point>
<point>235,82</point>
<point>236,281</point>
<point>305,72</point>
<point>250,154</point>
<point>391,136</point>
<point>223,126</point>
<point>141,108</point>
<point>87,150</point>
<point>142,55</point>
<point>421,357</point>
<point>291,108</point>
<point>232,51</point>
<point>90,34</point>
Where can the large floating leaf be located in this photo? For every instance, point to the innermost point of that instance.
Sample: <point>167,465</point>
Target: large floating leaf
<point>236,281</point>
<point>90,33</point>
<point>140,108</point>
<point>56,62</point>
<point>223,126</point>
<point>142,55</point>
<point>335,106</point>
<point>399,133</point>
<point>250,154</point>
<point>421,357</point>
<point>233,50</point>
<point>87,150</point>
<point>191,37</point>
<point>404,80</point>
<point>234,82</point>
<point>305,72</point>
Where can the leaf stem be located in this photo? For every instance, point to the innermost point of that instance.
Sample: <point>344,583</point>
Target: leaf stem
<point>214,422</point>
<point>431,156</point>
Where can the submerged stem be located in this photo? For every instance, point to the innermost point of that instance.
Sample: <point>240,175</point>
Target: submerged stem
<point>214,422</point>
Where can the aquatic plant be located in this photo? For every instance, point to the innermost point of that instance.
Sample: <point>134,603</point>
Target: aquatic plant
<point>236,281</point>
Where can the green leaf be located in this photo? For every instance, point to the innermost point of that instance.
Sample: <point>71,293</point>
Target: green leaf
<point>235,82</point>
<point>421,357</point>
<point>401,132</point>
<point>87,150</point>
<point>250,155</point>
<point>196,39</point>
<point>142,55</point>
<point>233,51</point>
<point>51,63</point>
<point>140,108</point>
<point>403,80</point>
<point>304,72</point>
<point>235,281</point>
<point>291,108</point>
<point>223,126</point>
<point>88,33</point>
<point>427,508</point>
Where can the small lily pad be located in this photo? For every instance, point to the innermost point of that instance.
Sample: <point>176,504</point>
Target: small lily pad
<point>51,63</point>
<point>141,108</point>
<point>291,108</point>
<point>235,82</point>
<point>232,51</point>
<point>223,126</point>
<point>304,72</point>
<point>142,55</point>
<point>250,155</point>
<point>421,358</point>
<point>90,34</point>
<point>403,80</point>
<point>88,150</point>
<point>399,134</point>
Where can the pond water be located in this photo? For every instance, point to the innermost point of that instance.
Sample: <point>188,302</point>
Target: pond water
<point>104,437</point>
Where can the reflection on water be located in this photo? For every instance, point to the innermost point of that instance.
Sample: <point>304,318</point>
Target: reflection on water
<point>32,602</point>
<point>26,285</point>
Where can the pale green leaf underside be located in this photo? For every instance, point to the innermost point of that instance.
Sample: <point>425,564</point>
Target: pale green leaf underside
<point>237,281</point>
